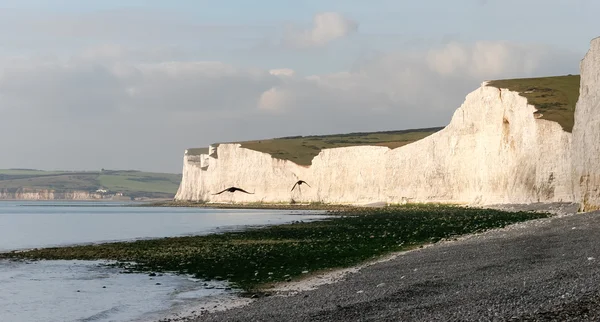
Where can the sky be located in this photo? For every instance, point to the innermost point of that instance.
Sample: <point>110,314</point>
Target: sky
<point>131,84</point>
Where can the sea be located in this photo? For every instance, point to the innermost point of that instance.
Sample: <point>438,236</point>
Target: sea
<point>44,290</point>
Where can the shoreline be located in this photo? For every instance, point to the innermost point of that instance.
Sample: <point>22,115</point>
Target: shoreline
<point>274,206</point>
<point>89,200</point>
<point>317,279</point>
<point>548,207</point>
<point>464,278</point>
<point>292,250</point>
<point>402,218</point>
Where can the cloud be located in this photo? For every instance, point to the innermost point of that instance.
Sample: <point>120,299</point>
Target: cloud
<point>447,60</point>
<point>95,85</point>
<point>282,72</point>
<point>70,31</point>
<point>327,27</point>
<point>115,107</point>
<point>57,89</point>
<point>199,86</point>
<point>487,59</point>
<point>418,84</point>
<point>105,79</point>
<point>274,99</point>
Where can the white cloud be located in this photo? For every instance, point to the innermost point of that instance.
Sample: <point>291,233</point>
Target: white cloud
<point>448,59</point>
<point>487,59</point>
<point>327,27</point>
<point>274,99</point>
<point>79,87</point>
<point>111,108</point>
<point>417,83</point>
<point>282,72</point>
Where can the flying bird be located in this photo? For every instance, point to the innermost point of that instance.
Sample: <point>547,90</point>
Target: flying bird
<point>299,183</point>
<point>233,189</point>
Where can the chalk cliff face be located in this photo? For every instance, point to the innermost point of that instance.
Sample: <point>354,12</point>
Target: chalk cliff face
<point>493,151</point>
<point>586,132</point>
<point>45,194</point>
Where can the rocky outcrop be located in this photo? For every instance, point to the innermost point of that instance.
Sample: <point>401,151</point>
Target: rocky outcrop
<point>46,194</point>
<point>586,132</point>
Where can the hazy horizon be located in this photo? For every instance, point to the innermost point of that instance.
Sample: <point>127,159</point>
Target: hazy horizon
<point>131,84</point>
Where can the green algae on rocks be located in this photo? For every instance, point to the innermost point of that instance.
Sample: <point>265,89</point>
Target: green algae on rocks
<point>255,257</point>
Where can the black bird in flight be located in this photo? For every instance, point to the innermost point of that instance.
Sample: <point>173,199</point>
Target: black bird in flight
<point>299,183</point>
<point>233,189</point>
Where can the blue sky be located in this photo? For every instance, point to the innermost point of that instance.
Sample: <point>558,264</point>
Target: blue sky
<point>563,22</point>
<point>176,74</point>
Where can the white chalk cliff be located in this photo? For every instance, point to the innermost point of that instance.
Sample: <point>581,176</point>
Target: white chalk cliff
<point>586,132</point>
<point>493,151</point>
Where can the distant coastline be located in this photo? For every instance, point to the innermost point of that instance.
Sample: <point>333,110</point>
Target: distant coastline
<point>118,185</point>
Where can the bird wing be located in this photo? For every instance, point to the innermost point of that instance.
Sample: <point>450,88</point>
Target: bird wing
<point>218,193</point>
<point>242,190</point>
<point>306,183</point>
<point>294,186</point>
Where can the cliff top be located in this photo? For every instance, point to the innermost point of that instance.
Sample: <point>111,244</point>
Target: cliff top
<point>197,151</point>
<point>302,149</point>
<point>554,97</point>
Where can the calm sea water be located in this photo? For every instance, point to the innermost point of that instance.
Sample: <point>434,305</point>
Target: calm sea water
<point>88,291</point>
<point>44,224</point>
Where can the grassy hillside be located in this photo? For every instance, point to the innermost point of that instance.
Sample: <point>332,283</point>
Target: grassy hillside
<point>130,183</point>
<point>554,97</point>
<point>133,181</point>
<point>302,149</point>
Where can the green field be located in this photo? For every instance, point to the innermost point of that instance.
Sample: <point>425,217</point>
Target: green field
<point>554,97</point>
<point>130,183</point>
<point>252,258</point>
<point>302,149</point>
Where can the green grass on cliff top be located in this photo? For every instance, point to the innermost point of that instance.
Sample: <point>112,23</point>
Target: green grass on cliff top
<point>302,149</point>
<point>554,97</point>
